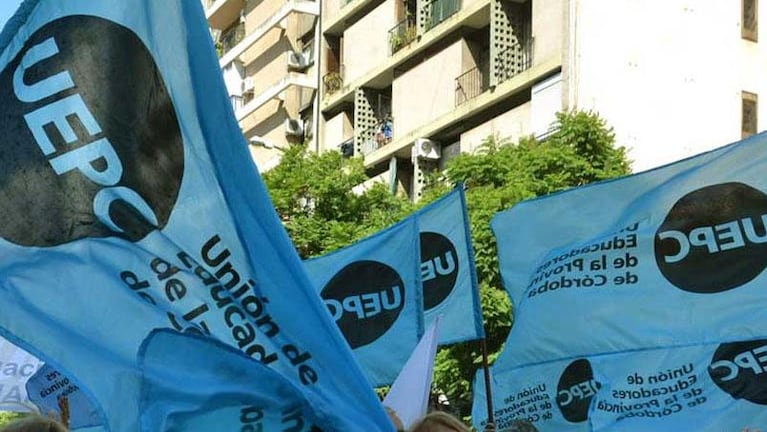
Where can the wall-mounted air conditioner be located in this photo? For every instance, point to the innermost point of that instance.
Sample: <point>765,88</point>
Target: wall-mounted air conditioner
<point>248,85</point>
<point>294,128</point>
<point>426,149</point>
<point>297,61</point>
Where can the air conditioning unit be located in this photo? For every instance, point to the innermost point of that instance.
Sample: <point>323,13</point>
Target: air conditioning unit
<point>297,61</point>
<point>248,85</point>
<point>294,127</point>
<point>426,149</point>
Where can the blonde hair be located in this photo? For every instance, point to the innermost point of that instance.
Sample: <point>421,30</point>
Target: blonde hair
<point>34,423</point>
<point>434,419</point>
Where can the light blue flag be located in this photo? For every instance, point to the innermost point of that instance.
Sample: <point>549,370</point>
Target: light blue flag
<point>651,263</point>
<point>130,203</point>
<point>710,388</point>
<point>213,403</point>
<point>448,272</point>
<point>47,386</point>
<point>372,289</point>
<point>668,257</point>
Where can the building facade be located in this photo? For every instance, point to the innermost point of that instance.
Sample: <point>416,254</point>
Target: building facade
<point>267,56</point>
<point>409,84</point>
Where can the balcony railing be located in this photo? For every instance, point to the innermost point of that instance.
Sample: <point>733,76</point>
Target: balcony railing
<point>333,81</point>
<point>237,102</point>
<point>376,137</point>
<point>514,60</point>
<point>437,11</point>
<point>471,84</point>
<point>230,38</point>
<point>402,34</point>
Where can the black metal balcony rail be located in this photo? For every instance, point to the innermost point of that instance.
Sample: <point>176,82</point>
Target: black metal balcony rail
<point>437,11</point>
<point>471,84</point>
<point>514,60</point>
<point>376,137</point>
<point>333,81</point>
<point>230,38</point>
<point>402,34</point>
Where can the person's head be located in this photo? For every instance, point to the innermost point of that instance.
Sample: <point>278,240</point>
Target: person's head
<point>34,423</point>
<point>438,421</point>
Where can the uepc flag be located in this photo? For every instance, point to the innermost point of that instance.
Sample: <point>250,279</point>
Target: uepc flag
<point>130,203</point>
<point>707,387</point>
<point>48,386</point>
<point>655,262</point>
<point>372,289</point>
<point>448,272</point>
<point>16,368</point>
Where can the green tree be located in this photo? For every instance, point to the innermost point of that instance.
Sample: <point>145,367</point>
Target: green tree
<point>314,196</point>
<point>8,416</point>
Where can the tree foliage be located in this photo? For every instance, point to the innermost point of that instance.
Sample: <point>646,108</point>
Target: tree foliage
<point>314,196</point>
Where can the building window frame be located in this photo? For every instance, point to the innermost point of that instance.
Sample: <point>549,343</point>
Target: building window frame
<point>749,17</point>
<point>749,114</point>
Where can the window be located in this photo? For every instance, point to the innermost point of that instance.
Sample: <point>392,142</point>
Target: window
<point>749,20</point>
<point>749,110</point>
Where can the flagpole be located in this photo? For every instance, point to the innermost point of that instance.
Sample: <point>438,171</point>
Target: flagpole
<point>488,390</point>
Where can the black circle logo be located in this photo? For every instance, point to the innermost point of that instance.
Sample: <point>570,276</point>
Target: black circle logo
<point>714,239</point>
<point>439,268</point>
<point>740,369</point>
<point>575,390</point>
<point>365,298</point>
<point>91,145</point>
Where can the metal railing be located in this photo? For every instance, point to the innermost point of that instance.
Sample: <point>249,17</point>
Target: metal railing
<point>437,11</point>
<point>471,84</point>
<point>514,60</point>
<point>333,81</point>
<point>237,102</point>
<point>402,34</point>
<point>230,38</point>
<point>376,137</point>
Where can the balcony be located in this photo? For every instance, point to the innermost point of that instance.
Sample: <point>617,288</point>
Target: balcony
<point>298,6</point>
<point>229,39</point>
<point>514,60</point>
<point>376,137</point>
<point>516,84</point>
<point>437,11</point>
<point>475,15</point>
<point>222,13</point>
<point>333,81</point>
<point>471,84</point>
<point>293,79</point>
<point>402,34</point>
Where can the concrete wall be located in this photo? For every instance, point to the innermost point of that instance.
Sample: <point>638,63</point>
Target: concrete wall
<point>512,124</point>
<point>427,91</point>
<point>667,75</point>
<point>336,130</point>
<point>548,29</point>
<point>330,9</point>
<point>366,42</point>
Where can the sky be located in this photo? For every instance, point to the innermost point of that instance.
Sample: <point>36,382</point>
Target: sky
<point>7,8</point>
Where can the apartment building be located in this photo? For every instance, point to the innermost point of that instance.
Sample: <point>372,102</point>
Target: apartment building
<point>408,84</point>
<point>267,56</point>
